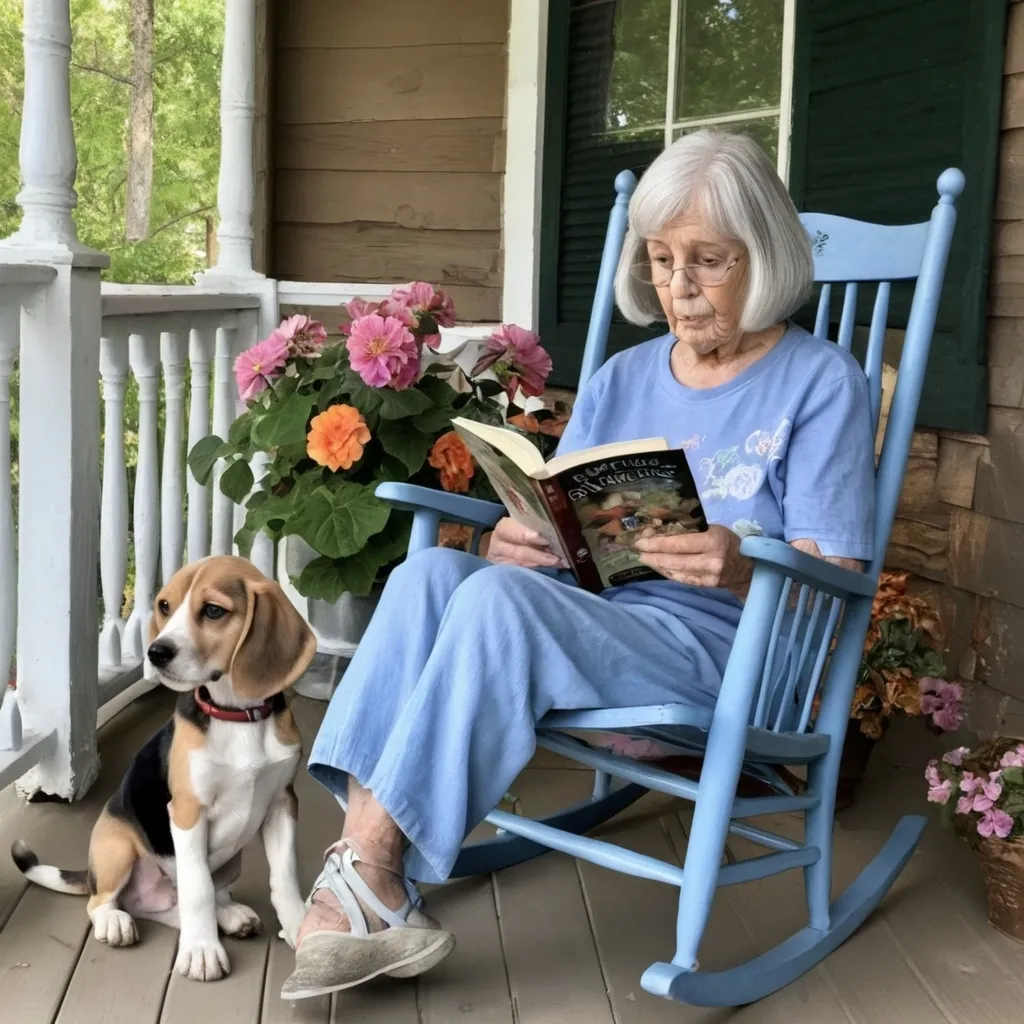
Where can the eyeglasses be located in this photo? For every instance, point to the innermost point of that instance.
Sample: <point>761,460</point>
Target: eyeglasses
<point>708,273</point>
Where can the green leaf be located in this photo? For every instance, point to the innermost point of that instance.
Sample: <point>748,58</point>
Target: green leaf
<point>284,424</point>
<point>405,442</point>
<point>337,523</point>
<point>433,420</point>
<point>244,540</point>
<point>367,400</point>
<point>1013,776</point>
<point>237,481</point>
<point>205,454</point>
<point>1013,804</point>
<point>326,579</point>
<point>489,388</point>
<point>398,405</point>
<point>241,430</point>
<point>390,470</point>
<point>440,392</point>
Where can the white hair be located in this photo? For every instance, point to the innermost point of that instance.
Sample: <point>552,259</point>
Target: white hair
<point>731,182</point>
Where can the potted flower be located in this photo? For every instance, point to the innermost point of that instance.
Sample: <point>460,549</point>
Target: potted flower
<point>900,673</point>
<point>336,417</point>
<point>981,797</point>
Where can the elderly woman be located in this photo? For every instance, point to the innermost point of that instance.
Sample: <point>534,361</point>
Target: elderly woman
<point>436,715</point>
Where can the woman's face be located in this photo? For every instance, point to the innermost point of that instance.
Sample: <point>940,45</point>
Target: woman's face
<point>703,316</point>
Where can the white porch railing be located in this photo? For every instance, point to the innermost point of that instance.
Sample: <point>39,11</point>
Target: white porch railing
<point>84,515</point>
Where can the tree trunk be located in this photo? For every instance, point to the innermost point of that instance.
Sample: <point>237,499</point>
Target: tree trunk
<point>140,129</point>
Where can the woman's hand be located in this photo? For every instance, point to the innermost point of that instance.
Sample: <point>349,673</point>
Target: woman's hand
<point>511,543</point>
<point>708,559</point>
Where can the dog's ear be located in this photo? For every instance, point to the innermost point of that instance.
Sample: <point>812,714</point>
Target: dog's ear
<point>275,646</point>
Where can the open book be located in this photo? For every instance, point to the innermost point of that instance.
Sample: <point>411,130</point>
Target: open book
<point>591,505</point>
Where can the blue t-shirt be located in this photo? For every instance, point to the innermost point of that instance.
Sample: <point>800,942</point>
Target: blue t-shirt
<point>785,449</point>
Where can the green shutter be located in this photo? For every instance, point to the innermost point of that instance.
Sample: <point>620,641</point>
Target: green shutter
<point>577,188</point>
<point>887,94</point>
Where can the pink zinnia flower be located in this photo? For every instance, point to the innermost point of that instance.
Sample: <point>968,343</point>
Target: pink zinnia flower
<point>955,757</point>
<point>931,774</point>
<point>423,300</point>
<point>303,336</point>
<point>517,359</point>
<point>357,309</point>
<point>995,822</point>
<point>257,366</point>
<point>1013,758</point>
<point>383,352</point>
<point>941,793</point>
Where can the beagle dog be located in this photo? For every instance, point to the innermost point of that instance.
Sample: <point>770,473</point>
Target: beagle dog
<point>168,844</point>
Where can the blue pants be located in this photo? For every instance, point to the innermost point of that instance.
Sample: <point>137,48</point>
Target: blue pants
<point>436,713</point>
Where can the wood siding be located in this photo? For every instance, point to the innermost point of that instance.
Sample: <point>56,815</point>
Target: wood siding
<point>961,527</point>
<point>388,148</point>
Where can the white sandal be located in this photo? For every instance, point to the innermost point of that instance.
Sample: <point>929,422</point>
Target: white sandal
<point>328,961</point>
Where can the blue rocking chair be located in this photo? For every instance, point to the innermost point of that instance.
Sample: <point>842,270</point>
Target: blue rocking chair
<point>765,715</point>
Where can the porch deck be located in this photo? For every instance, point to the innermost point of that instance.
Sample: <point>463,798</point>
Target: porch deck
<point>550,941</point>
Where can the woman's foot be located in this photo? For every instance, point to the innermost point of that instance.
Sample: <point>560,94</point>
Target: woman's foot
<point>360,925</point>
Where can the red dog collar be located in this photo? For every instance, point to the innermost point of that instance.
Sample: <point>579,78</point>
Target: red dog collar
<point>256,714</point>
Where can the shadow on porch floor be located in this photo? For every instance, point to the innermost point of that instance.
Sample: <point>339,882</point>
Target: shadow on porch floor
<point>549,942</point>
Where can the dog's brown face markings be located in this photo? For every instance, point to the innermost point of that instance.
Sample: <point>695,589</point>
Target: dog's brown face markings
<point>228,619</point>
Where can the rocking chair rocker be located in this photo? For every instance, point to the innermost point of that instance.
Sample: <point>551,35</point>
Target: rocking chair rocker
<point>765,715</point>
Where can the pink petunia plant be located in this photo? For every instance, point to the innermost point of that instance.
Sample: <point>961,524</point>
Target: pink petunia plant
<point>257,367</point>
<point>517,359</point>
<point>989,787</point>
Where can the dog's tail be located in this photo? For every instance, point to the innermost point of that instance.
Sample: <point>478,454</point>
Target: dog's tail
<point>74,883</point>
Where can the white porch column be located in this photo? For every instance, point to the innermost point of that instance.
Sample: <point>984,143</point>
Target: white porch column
<point>235,189</point>
<point>59,502</point>
<point>520,227</point>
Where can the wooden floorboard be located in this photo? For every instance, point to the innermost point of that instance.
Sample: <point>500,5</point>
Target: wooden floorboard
<point>544,921</point>
<point>551,941</point>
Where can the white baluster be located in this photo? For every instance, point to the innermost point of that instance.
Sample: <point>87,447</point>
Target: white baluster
<point>224,392</point>
<point>200,348</point>
<point>173,354</point>
<point>144,357</point>
<point>9,727</point>
<point>47,151</point>
<point>237,114</point>
<point>114,504</point>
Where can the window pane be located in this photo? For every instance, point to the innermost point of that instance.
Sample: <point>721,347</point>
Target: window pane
<point>639,74</point>
<point>763,130</point>
<point>730,56</point>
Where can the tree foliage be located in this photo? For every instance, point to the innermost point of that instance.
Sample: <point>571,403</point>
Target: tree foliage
<point>188,44</point>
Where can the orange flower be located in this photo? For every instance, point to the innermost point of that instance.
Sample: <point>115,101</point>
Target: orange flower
<point>336,437</point>
<point>451,456</point>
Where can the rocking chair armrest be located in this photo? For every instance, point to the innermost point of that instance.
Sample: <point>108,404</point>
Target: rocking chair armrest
<point>808,569</point>
<point>453,508</point>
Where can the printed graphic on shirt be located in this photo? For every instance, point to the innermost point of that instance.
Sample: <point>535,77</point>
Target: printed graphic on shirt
<point>726,475</point>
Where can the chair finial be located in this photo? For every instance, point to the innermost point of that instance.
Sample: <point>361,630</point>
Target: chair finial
<point>951,183</point>
<point>625,182</point>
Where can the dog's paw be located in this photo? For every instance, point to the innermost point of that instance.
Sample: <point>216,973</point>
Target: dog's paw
<point>202,961</point>
<point>238,920</point>
<point>290,917</point>
<point>114,927</point>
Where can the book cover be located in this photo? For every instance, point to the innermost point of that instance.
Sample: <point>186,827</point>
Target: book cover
<point>602,508</point>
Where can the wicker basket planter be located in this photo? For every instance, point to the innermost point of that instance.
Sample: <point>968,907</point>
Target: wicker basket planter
<point>1002,865</point>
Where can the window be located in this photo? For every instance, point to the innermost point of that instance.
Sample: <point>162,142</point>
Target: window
<point>863,103</point>
<point>626,77</point>
<point>687,64</point>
